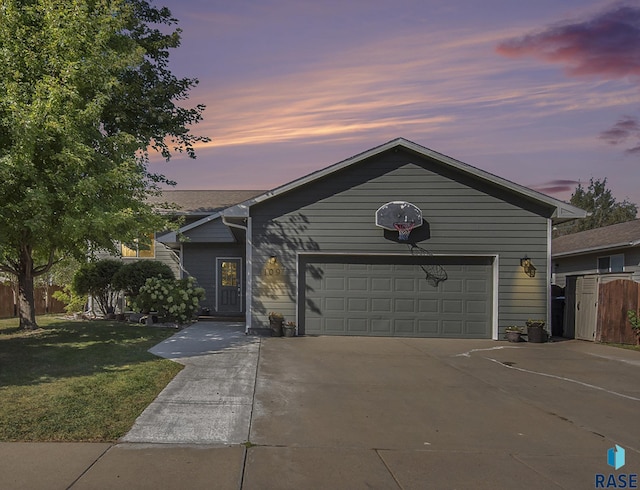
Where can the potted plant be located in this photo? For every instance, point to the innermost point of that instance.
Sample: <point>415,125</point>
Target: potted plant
<point>290,329</point>
<point>276,320</point>
<point>514,334</point>
<point>535,331</point>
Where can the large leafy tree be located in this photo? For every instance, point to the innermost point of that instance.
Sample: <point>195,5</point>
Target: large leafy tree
<point>603,208</point>
<point>85,95</point>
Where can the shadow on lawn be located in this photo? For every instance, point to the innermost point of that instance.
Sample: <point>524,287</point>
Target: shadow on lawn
<point>72,349</point>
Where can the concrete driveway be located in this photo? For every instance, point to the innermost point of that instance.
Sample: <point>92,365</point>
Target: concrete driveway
<point>350,412</point>
<point>433,413</point>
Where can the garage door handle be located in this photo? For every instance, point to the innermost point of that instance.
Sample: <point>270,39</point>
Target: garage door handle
<point>578,305</point>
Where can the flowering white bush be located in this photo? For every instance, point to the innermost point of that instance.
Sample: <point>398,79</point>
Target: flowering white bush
<point>176,299</point>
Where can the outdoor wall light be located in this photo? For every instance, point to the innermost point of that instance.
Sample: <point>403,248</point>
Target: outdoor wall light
<point>273,260</point>
<point>529,269</point>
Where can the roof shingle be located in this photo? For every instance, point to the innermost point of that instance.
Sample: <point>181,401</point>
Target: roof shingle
<point>613,236</point>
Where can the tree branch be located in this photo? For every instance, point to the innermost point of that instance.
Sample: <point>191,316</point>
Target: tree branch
<point>43,269</point>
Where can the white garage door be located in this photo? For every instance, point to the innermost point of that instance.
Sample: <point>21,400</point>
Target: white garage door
<point>390,296</point>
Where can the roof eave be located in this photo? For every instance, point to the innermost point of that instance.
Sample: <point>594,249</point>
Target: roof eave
<point>562,211</point>
<point>599,248</point>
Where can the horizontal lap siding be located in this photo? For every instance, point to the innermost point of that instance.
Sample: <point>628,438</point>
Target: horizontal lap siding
<point>199,261</point>
<point>464,217</point>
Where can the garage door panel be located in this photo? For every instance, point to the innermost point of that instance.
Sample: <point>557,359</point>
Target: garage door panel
<point>334,304</point>
<point>407,285</point>
<point>403,326</point>
<point>381,284</point>
<point>357,325</point>
<point>428,306</point>
<point>381,326</point>
<point>358,304</point>
<point>476,307</point>
<point>476,286</point>
<point>358,284</point>
<point>452,285</point>
<point>452,327</point>
<point>382,299</point>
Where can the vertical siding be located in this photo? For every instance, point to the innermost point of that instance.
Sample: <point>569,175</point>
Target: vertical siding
<point>336,214</point>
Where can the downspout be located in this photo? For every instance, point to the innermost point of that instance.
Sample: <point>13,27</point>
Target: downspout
<point>248,291</point>
<point>549,274</point>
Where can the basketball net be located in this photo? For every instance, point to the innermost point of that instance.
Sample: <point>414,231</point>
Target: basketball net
<point>404,229</point>
<point>434,273</point>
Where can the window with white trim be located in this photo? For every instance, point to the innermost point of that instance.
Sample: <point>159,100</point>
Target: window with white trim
<point>611,263</point>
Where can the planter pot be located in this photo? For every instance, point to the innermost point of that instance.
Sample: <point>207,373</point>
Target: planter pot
<point>289,331</point>
<point>276,327</point>
<point>514,336</point>
<point>536,334</point>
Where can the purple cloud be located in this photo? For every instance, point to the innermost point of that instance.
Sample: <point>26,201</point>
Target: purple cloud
<point>607,45</point>
<point>555,186</point>
<point>626,128</point>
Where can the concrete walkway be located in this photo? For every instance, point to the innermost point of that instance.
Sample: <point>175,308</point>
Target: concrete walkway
<point>210,400</point>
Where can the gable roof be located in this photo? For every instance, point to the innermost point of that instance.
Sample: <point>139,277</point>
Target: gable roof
<point>616,236</point>
<point>562,210</point>
<point>203,202</point>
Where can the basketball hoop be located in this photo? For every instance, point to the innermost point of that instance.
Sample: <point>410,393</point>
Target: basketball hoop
<point>404,229</point>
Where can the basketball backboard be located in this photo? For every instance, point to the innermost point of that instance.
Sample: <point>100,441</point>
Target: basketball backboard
<point>400,216</point>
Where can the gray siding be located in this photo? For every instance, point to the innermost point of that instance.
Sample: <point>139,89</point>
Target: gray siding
<point>162,254</point>
<point>214,231</point>
<point>464,217</point>
<point>588,264</point>
<point>199,261</point>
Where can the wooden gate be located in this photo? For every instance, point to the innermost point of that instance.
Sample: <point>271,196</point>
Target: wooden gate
<point>614,300</point>
<point>586,307</point>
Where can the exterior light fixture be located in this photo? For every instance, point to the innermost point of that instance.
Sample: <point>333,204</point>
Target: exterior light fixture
<point>529,269</point>
<point>273,260</point>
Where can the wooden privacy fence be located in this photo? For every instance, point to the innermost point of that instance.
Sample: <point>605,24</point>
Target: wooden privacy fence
<point>45,303</point>
<point>615,298</point>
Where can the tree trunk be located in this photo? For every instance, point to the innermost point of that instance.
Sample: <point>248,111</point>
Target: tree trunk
<point>26,298</point>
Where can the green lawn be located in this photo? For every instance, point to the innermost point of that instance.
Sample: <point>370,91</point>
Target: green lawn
<point>77,380</point>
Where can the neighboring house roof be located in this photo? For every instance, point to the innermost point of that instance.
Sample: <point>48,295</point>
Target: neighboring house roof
<point>617,236</point>
<point>203,202</point>
<point>562,210</point>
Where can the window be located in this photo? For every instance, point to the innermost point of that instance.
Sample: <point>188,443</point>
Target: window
<point>141,248</point>
<point>611,263</point>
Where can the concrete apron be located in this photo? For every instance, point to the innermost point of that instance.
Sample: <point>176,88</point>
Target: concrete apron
<point>210,400</point>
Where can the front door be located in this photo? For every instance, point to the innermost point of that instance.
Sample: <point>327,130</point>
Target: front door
<point>229,285</point>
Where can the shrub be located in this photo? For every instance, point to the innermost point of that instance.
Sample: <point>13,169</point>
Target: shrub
<point>74,303</point>
<point>95,278</point>
<point>133,275</point>
<point>177,300</point>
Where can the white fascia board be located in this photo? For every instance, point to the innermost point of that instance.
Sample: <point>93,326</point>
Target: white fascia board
<point>238,211</point>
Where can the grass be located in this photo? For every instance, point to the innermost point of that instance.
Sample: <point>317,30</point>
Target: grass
<point>626,346</point>
<point>77,380</point>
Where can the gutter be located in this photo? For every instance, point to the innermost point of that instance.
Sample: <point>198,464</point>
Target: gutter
<point>248,266</point>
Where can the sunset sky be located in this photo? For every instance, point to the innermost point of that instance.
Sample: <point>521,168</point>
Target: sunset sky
<point>542,93</point>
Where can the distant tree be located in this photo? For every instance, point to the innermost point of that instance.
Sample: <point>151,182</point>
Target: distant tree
<point>96,279</point>
<point>133,275</point>
<point>85,94</point>
<point>604,208</point>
